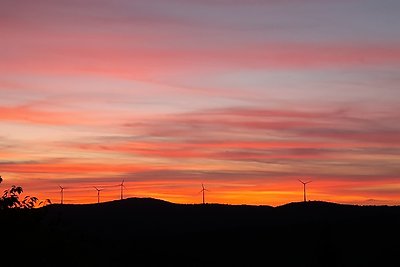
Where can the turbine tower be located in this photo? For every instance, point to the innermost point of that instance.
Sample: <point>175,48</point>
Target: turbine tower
<point>202,191</point>
<point>122,188</point>
<point>304,188</point>
<point>62,194</point>
<point>98,194</point>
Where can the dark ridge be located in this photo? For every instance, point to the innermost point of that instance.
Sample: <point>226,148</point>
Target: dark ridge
<point>313,203</point>
<point>146,201</point>
<point>153,232</point>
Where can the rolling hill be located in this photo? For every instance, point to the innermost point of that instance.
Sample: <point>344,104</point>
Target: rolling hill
<point>152,232</point>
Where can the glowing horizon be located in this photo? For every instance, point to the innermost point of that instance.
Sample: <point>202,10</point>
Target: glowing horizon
<point>243,96</point>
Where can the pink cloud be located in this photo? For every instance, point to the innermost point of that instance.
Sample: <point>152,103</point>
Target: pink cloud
<point>69,167</point>
<point>33,115</point>
<point>151,62</point>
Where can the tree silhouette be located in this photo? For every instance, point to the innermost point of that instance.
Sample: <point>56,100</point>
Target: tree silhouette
<point>11,199</point>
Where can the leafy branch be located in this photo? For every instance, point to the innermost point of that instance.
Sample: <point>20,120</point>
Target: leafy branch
<point>11,199</point>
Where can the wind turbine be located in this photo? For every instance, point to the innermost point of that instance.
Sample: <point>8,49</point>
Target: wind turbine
<point>62,194</point>
<point>304,188</point>
<point>122,188</point>
<point>203,190</point>
<point>98,194</point>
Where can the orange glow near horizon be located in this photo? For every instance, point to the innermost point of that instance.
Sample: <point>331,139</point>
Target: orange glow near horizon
<point>239,194</point>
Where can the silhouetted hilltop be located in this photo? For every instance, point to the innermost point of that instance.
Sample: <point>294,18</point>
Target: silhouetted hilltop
<point>152,217</point>
<point>312,204</point>
<point>153,232</point>
<point>330,212</point>
<point>163,217</point>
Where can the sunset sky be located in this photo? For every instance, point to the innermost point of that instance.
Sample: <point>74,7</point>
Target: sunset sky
<point>245,96</point>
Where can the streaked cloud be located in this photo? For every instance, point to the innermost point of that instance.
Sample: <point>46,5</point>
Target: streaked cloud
<point>245,96</point>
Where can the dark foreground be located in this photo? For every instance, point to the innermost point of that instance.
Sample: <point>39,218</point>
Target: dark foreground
<point>149,232</point>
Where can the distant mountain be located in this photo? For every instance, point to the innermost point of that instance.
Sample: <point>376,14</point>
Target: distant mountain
<point>153,232</point>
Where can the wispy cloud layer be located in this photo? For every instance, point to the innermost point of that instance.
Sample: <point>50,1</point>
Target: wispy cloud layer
<point>245,96</point>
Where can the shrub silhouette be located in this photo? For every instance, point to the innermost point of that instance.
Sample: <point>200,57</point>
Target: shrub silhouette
<point>11,199</point>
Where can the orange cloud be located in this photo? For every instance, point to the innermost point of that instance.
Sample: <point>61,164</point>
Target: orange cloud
<point>32,115</point>
<point>68,168</point>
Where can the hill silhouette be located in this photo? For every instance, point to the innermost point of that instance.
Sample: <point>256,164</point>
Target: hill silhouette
<point>153,232</point>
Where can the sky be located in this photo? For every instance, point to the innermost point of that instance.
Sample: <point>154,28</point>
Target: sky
<point>244,96</point>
